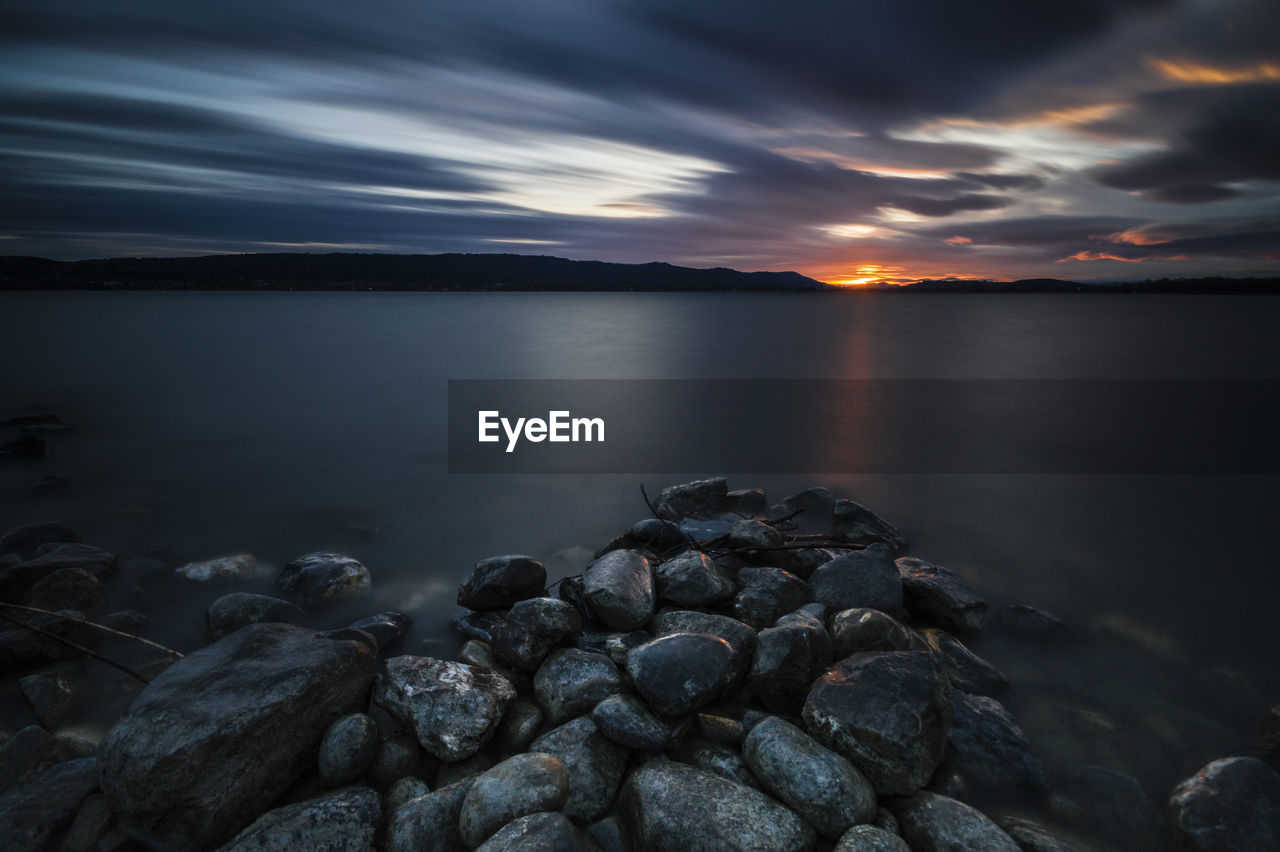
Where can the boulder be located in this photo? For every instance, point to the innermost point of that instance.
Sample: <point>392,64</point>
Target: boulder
<point>857,524</point>
<point>720,729</point>
<point>966,669</point>
<point>531,629</point>
<point>464,770</point>
<point>453,708</point>
<point>342,821</point>
<point>815,506</point>
<point>91,822</point>
<point>701,496</point>
<point>693,579</point>
<point>186,763</point>
<point>681,672</point>
<point>869,838</point>
<point>541,831</point>
<point>989,749</point>
<point>348,749</point>
<point>618,589</point>
<point>614,644</point>
<point>788,657</point>
<point>230,612</point>
<point>317,577</point>
<point>20,646</point>
<point>652,535</point>
<point>519,786</point>
<point>933,822</point>
<point>501,581</point>
<point>17,578</point>
<point>627,721</point>
<point>745,501</point>
<point>767,594</point>
<point>864,578</point>
<point>888,712</point>
<point>818,784</point>
<point>520,725</point>
<point>717,758</point>
<point>429,822</point>
<point>803,561</point>
<point>1230,804</point>
<point>593,763</point>
<point>863,629</point>
<point>941,596</point>
<point>35,812</point>
<point>571,682</point>
<point>741,637</point>
<point>673,806</point>
<point>241,566</point>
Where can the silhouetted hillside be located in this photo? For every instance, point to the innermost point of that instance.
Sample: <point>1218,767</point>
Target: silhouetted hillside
<point>1054,285</point>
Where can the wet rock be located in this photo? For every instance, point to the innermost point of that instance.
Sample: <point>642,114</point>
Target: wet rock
<point>716,758</point>
<point>476,653</point>
<point>50,694</point>
<point>818,784</point>
<point>91,822</point>
<point>863,629</point>
<point>701,496</point>
<point>618,589</point>
<point>18,578</point>
<point>531,629</point>
<point>1111,804</point>
<point>681,672</point>
<point>767,594</point>
<point>611,834</point>
<point>476,625</point>
<point>317,577</point>
<point>1230,804</point>
<point>464,770</point>
<point>814,504</point>
<point>594,764</point>
<point>869,838</point>
<point>803,561</point>
<point>501,581</point>
<point>788,657</point>
<point>67,588</point>
<point>241,566</point>
<point>720,729</point>
<point>397,757</point>
<point>888,712</point>
<point>547,830</point>
<point>741,637</point>
<point>404,790</point>
<point>453,708</point>
<point>967,670</point>
<point>25,538</point>
<point>25,754</point>
<point>614,644</point>
<point>1033,837</point>
<point>989,749</point>
<point>933,822</point>
<point>941,595</point>
<point>864,578</point>
<point>571,682</point>
<point>342,821</point>
<point>230,612</point>
<point>693,579</point>
<point>652,535</point>
<point>627,721</point>
<point>745,501</point>
<point>1033,623</point>
<point>704,532</point>
<point>520,725</point>
<point>34,813</point>
<point>185,763</point>
<point>519,786</point>
<point>886,820</point>
<point>348,749</point>
<point>857,524</point>
<point>673,806</point>
<point>429,822</point>
<point>385,627</point>
<point>754,535</point>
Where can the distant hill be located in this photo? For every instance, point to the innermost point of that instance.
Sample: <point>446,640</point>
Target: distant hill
<point>379,272</point>
<point>1054,285</point>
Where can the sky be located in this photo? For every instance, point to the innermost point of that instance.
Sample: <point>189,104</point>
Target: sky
<point>859,141</point>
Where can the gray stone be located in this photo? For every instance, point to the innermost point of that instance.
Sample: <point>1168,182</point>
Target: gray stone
<point>16,579</point>
<point>464,770</point>
<point>541,832</point>
<point>20,646</point>
<point>818,784</point>
<point>857,524</point>
<point>628,722</point>
<point>67,588</point>
<point>745,501</point>
<point>618,589</point>
<point>864,578</point>
<point>720,729</point>
<point>652,535</point>
<point>754,535</point>
<point>868,838</point>
<point>613,644</point>
<point>501,581</point>
<point>863,629</point>
<point>716,758</point>
<point>385,627</point>
<point>519,786</point>
<point>705,531</point>
<point>1031,836</point>
<point>224,569</point>
<point>594,764</point>
<point>429,822</point>
<point>453,708</point>
<point>35,812</point>
<point>741,637</point>
<point>888,712</point>
<point>692,498</point>
<point>693,579</point>
<point>815,506</point>
<point>531,629</point>
<point>317,577</point>
<point>571,682</point>
<point>788,657</point>
<point>989,749</point>
<point>1032,623</point>
<point>673,806</point>
<point>51,695</point>
<point>348,749</point>
<point>520,725</point>
<point>767,594</point>
<point>941,596</point>
<point>25,538</point>
<point>1230,804</point>
<point>681,672</point>
<point>404,790</point>
<point>803,561</point>
<point>397,757</point>
<point>342,821</point>
<point>932,823</point>
<point>476,625</point>
<point>967,670</point>
<point>230,612</point>
<point>25,754</point>
<point>91,822</point>
<point>186,762</point>
<point>611,834</point>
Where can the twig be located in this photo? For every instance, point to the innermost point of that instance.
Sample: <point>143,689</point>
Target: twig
<point>77,646</point>
<point>96,626</point>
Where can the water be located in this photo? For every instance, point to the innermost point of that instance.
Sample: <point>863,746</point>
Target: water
<point>214,423</point>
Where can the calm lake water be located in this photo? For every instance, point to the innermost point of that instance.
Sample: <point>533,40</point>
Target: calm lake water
<point>283,423</point>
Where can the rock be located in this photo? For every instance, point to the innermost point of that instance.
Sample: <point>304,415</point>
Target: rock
<point>681,672</point>
<point>241,566</point>
<point>745,501</point>
<point>818,784</point>
<point>501,581</point>
<point>520,725</point>
<point>966,669</point>
<point>1113,805</point>
<point>886,820</point>
<point>862,629</point>
<point>50,694</point>
<point>864,578</point>
<point>1033,837</point>
<point>67,588</point>
<point>859,525</point>
<point>614,645</point>
<point>788,657</point>
<point>628,722</point>
<point>888,712</point>
<point>25,538</point>
<point>397,757</point>
<point>988,749</point>
<point>20,646</point>
<point>476,625</point>
<point>90,824</point>
<point>185,763</point>
<point>74,745</point>
<point>531,629</point>
<point>453,708</point>
<point>385,627</point>
<point>741,637</point>
<point>17,579</point>
<point>318,577</point>
<point>701,496</point>
<point>35,812</point>
<point>768,594</point>
<point>673,806</point>
<point>404,790</point>
<point>652,535</point>
<point>803,561</point>
<point>429,822</point>
<point>868,838</point>
<point>1032,623</point>
<point>519,786</point>
<point>1230,804</point>
<point>464,770</point>
<point>933,822</point>
<point>230,612</point>
<point>720,729</point>
<point>618,589</point>
<point>342,821</point>
<point>815,506</point>
<point>941,595</point>
<point>703,532</point>
<point>693,579</point>
<point>571,682</point>
<point>594,764</point>
<point>541,831</point>
<point>25,754</point>
<point>611,833</point>
<point>348,749</point>
<point>754,535</point>
<point>716,758</point>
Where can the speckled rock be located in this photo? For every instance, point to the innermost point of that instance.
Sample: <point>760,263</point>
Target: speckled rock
<point>520,725</point>
<point>691,498</point>
<point>501,581</point>
<point>385,627</point>
<point>519,786</point>
<point>857,524</point>
<point>348,749</point>
<point>571,682</point>
<point>868,838</point>
<point>741,637</point>
<point>931,822</point>
<point>788,657</point>
<point>241,566</point>
<point>745,501</point>
<point>531,629</point>
<point>716,758</point>
<point>342,821</point>
<point>941,595</point>
<point>693,579</point>
<point>318,577</point>
<point>618,589</point>
<point>230,612</point>
<point>404,790</point>
<point>398,756</point>
<point>627,721</point>
<point>1230,804</point>
<point>549,831</point>
<point>594,764</point>
<point>429,822</point>
<point>681,672</point>
<point>767,594</point>
<point>752,534</point>
<point>35,812</point>
<point>67,588</point>
<point>453,708</point>
<point>863,629</point>
<point>864,578</point>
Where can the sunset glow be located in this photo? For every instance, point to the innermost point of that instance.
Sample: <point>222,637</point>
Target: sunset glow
<point>1199,74</point>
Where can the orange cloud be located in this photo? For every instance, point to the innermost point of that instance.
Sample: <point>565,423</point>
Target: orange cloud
<point>1102,255</point>
<point>1135,237</point>
<point>1199,74</point>
<point>957,241</point>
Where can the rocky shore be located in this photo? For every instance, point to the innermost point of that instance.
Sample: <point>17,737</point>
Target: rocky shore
<point>724,674</point>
